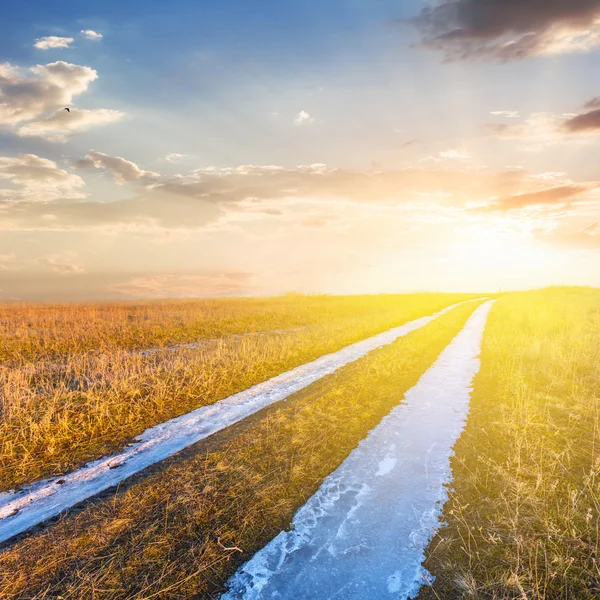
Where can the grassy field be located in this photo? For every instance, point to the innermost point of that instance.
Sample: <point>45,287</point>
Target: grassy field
<point>83,393</point>
<point>40,331</point>
<point>523,519</point>
<point>524,516</point>
<point>167,535</point>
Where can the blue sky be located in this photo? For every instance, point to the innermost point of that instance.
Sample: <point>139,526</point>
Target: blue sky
<point>421,157</point>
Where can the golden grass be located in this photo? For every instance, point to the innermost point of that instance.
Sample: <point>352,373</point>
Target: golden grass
<point>57,415</point>
<point>34,331</point>
<point>159,538</point>
<point>523,520</point>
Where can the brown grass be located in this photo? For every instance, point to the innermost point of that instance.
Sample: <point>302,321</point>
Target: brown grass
<point>55,416</point>
<point>158,539</point>
<point>40,331</point>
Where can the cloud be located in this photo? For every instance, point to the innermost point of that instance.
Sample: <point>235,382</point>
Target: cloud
<point>303,118</point>
<point>239,195</point>
<point>90,34</point>
<point>60,263</point>
<point>543,130</point>
<point>53,41</point>
<point>592,230</point>
<point>124,170</point>
<point>57,127</point>
<point>185,286</point>
<point>550,196</point>
<point>37,180</point>
<point>584,123</point>
<point>508,30</point>
<point>455,154</point>
<point>249,192</point>
<point>174,157</point>
<point>508,114</point>
<point>27,94</point>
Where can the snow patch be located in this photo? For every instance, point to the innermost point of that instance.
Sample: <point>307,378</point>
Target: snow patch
<point>388,463</point>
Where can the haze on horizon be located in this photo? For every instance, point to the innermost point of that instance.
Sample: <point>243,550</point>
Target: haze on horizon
<point>237,148</point>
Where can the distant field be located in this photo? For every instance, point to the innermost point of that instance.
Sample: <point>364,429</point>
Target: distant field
<point>35,331</point>
<point>524,516</point>
<point>71,390</point>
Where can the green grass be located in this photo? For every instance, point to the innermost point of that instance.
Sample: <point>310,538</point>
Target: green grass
<point>55,417</point>
<point>524,516</point>
<point>159,538</point>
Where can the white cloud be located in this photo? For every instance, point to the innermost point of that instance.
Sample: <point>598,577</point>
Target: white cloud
<point>123,169</point>
<point>37,179</point>
<point>61,264</point>
<point>91,34</point>
<point>174,157</point>
<point>61,123</point>
<point>25,94</point>
<point>303,118</point>
<point>509,114</point>
<point>52,41</point>
<point>567,40</point>
<point>455,154</point>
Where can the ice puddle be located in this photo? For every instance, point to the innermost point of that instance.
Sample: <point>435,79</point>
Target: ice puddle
<point>364,533</point>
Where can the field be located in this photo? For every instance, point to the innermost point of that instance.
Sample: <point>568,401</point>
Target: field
<point>72,389</point>
<point>522,517</point>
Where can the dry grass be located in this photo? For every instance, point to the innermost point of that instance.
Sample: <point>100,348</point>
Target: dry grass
<point>159,538</point>
<point>40,331</point>
<point>524,517</point>
<point>57,415</point>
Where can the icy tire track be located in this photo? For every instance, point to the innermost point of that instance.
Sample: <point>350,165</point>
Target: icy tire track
<point>363,535</point>
<point>32,505</point>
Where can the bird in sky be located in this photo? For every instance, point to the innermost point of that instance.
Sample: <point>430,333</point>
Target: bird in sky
<point>67,109</point>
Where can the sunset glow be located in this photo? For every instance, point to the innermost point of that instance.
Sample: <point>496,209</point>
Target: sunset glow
<point>352,148</point>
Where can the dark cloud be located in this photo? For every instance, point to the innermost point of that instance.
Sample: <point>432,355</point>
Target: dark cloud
<point>509,29</point>
<point>593,103</point>
<point>584,123</point>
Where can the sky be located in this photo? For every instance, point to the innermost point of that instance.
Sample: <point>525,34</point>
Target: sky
<point>256,148</point>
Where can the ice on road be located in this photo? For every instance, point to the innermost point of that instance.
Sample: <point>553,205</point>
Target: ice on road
<point>364,533</point>
<point>19,511</point>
